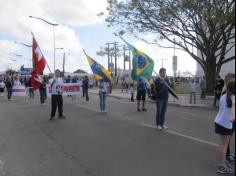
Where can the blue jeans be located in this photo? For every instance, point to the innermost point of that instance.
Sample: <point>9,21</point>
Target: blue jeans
<point>161,111</point>
<point>102,96</point>
<point>43,95</point>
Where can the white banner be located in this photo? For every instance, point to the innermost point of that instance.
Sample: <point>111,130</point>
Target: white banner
<point>18,91</point>
<point>69,89</point>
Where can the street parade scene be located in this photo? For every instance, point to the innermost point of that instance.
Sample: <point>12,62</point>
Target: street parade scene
<point>117,88</point>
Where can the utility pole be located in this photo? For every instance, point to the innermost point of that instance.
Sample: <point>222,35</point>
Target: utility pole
<point>108,53</point>
<point>115,58</point>
<point>64,62</point>
<point>124,57</point>
<point>163,62</point>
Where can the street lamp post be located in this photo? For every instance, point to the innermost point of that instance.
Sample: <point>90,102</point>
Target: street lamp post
<point>55,55</point>
<point>54,42</point>
<point>26,45</point>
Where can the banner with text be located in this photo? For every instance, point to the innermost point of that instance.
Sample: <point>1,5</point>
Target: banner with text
<point>69,89</point>
<point>18,91</point>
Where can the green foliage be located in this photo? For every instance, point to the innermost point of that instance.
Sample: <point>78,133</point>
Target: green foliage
<point>208,25</point>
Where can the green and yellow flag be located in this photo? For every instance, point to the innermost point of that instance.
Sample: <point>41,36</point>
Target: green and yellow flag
<point>143,65</point>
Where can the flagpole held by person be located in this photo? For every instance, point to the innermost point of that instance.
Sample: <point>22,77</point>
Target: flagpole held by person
<point>104,77</point>
<point>162,89</point>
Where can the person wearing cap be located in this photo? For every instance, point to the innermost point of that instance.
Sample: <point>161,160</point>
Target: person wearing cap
<point>56,84</point>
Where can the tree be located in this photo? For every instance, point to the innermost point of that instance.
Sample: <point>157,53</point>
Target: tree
<point>208,25</point>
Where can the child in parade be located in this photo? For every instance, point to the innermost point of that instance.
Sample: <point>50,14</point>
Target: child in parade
<point>224,126</point>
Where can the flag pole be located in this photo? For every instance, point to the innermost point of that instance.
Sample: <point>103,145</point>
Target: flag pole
<point>45,59</point>
<point>167,85</point>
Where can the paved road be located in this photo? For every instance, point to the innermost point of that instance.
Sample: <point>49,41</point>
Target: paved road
<point>121,143</point>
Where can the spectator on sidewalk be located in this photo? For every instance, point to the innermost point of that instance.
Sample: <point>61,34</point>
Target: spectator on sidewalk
<point>218,90</point>
<point>162,95</point>
<point>224,126</point>
<point>203,88</point>
<point>193,91</point>
<point>102,96</point>
<point>141,94</point>
<point>132,92</point>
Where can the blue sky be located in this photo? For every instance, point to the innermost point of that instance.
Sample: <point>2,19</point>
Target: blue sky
<point>79,29</point>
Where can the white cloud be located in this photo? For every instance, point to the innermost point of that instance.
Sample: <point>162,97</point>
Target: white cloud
<point>16,24</point>
<point>185,62</point>
<point>74,12</point>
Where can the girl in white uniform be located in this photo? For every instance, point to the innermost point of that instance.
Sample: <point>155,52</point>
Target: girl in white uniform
<point>224,126</point>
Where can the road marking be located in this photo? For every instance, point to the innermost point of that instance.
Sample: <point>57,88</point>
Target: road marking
<point>183,135</point>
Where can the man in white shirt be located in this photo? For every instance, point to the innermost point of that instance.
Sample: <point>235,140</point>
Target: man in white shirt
<point>56,84</point>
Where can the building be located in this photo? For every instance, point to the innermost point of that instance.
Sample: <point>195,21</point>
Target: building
<point>226,68</point>
<point>25,71</point>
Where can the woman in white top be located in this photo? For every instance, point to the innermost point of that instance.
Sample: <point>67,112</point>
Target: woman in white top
<point>224,126</point>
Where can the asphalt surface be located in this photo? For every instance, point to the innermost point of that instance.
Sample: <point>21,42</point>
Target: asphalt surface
<point>121,143</point>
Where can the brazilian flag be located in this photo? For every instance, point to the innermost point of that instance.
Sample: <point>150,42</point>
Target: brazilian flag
<point>143,65</point>
<point>99,71</point>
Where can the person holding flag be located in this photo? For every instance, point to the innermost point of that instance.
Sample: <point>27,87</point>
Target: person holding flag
<point>162,89</point>
<point>104,77</point>
<point>143,67</point>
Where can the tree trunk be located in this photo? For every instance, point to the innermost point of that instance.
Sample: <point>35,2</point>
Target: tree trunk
<point>210,72</point>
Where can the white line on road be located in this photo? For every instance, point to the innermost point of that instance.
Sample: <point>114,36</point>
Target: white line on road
<point>183,135</point>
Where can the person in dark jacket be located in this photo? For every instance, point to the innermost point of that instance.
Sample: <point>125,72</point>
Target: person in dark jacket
<point>162,87</point>
<point>43,91</point>
<point>85,88</point>
<point>218,90</point>
<point>9,86</point>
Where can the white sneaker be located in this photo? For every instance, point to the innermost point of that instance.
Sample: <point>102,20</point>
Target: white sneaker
<point>165,127</point>
<point>159,128</point>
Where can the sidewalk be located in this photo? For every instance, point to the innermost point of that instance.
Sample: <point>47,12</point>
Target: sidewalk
<point>184,99</point>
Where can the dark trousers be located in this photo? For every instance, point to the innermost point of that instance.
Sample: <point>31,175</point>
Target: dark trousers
<point>57,100</point>
<point>161,111</point>
<point>9,93</point>
<point>85,94</point>
<point>203,94</point>
<point>31,92</point>
<point>132,97</point>
<point>43,95</point>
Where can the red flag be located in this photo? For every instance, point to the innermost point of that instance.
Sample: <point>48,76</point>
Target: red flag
<point>39,64</point>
